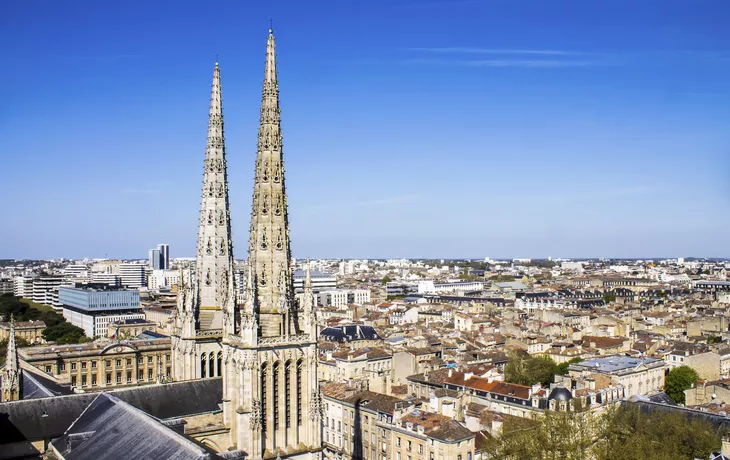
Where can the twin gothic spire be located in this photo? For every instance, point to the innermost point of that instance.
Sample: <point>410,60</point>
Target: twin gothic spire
<point>214,270</point>
<point>269,305</point>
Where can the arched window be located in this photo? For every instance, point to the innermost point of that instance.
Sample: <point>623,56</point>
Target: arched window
<point>299,392</point>
<point>264,394</point>
<point>211,365</point>
<point>220,364</point>
<point>287,392</point>
<point>275,394</point>
<point>203,367</point>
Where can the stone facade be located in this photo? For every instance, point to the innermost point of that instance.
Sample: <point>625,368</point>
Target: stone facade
<point>271,400</point>
<point>103,364</point>
<point>207,299</point>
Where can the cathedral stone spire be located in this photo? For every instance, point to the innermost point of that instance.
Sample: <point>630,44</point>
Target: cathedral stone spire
<point>11,373</point>
<point>269,250</point>
<point>214,262</point>
<point>207,297</point>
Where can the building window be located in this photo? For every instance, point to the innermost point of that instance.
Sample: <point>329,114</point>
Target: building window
<point>149,360</point>
<point>129,376</point>
<point>108,363</point>
<point>397,442</point>
<point>93,380</point>
<point>140,360</point>
<point>119,362</point>
<point>63,367</point>
<point>108,378</point>
<point>119,377</point>
<point>48,369</point>
<point>264,375</point>
<point>83,380</point>
<point>129,361</point>
<point>83,364</point>
<point>93,364</point>
<point>275,394</point>
<point>149,374</point>
<point>299,393</point>
<point>410,445</point>
<point>73,366</point>
<point>73,380</point>
<point>141,375</point>
<point>287,393</point>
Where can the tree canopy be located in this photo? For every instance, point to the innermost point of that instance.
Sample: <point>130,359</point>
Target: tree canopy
<point>563,368</point>
<point>524,369</point>
<point>679,379</point>
<point>57,329</point>
<point>619,433</point>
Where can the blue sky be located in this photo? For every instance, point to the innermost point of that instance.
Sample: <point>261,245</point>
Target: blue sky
<point>412,128</point>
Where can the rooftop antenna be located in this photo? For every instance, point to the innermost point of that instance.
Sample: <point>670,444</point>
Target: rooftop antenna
<point>216,59</point>
<point>271,25</point>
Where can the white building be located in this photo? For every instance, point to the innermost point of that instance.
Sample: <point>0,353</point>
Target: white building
<point>95,324</point>
<point>106,278</point>
<point>320,281</point>
<point>343,297</point>
<point>163,278</point>
<point>23,286</point>
<point>132,275</point>
<point>45,290</point>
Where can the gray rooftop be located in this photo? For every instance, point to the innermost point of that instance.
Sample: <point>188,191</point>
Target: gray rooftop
<point>615,363</point>
<point>112,429</point>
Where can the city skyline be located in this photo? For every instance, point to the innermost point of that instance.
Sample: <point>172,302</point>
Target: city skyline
<point>475,144</point>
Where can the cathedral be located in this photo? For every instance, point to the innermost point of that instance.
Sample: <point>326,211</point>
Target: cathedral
<point>263,345</point>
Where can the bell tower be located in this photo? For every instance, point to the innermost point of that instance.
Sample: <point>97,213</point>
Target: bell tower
<point>271,398</point>
<point>207,297</point>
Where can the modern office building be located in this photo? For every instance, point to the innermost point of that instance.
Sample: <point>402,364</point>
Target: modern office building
<point>45,290</point>
<point>154,259</point>
<point>132,275</point>
<point>163,278</point>
<point>23,286</point>
<point>343,297</point>
<point>164,256</point>
<point>110,279</point>
<point>320,281</point>
<point>7,286</point>
<point>93,309</point>
<point>159,257</point>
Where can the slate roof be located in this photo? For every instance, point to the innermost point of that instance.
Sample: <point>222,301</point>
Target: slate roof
<point>34,419</point>
<point>349,333</point>
<point>38,386</point>
<point>111,429</point>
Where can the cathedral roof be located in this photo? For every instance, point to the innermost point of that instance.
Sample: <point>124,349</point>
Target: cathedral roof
<point>111,428</point>
<point>35,419</point>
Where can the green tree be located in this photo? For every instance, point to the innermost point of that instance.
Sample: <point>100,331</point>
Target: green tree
<point>386,279</point>
<point>524,369</point>
<point>679,379</point>
<point>63,333</point>
<point>619,433</point>
<point>609,297</point>
<point>564,368</point>
<point>626,433</point>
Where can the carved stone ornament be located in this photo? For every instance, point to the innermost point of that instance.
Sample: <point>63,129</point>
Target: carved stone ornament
<point>315,407</point>
<point>255,422</point>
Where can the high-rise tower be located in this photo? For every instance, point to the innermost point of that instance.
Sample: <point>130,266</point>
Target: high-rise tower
<point>271,398</point>
<point>207,299</point>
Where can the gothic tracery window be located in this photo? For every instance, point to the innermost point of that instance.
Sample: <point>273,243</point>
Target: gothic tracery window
<point>275,394</point>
